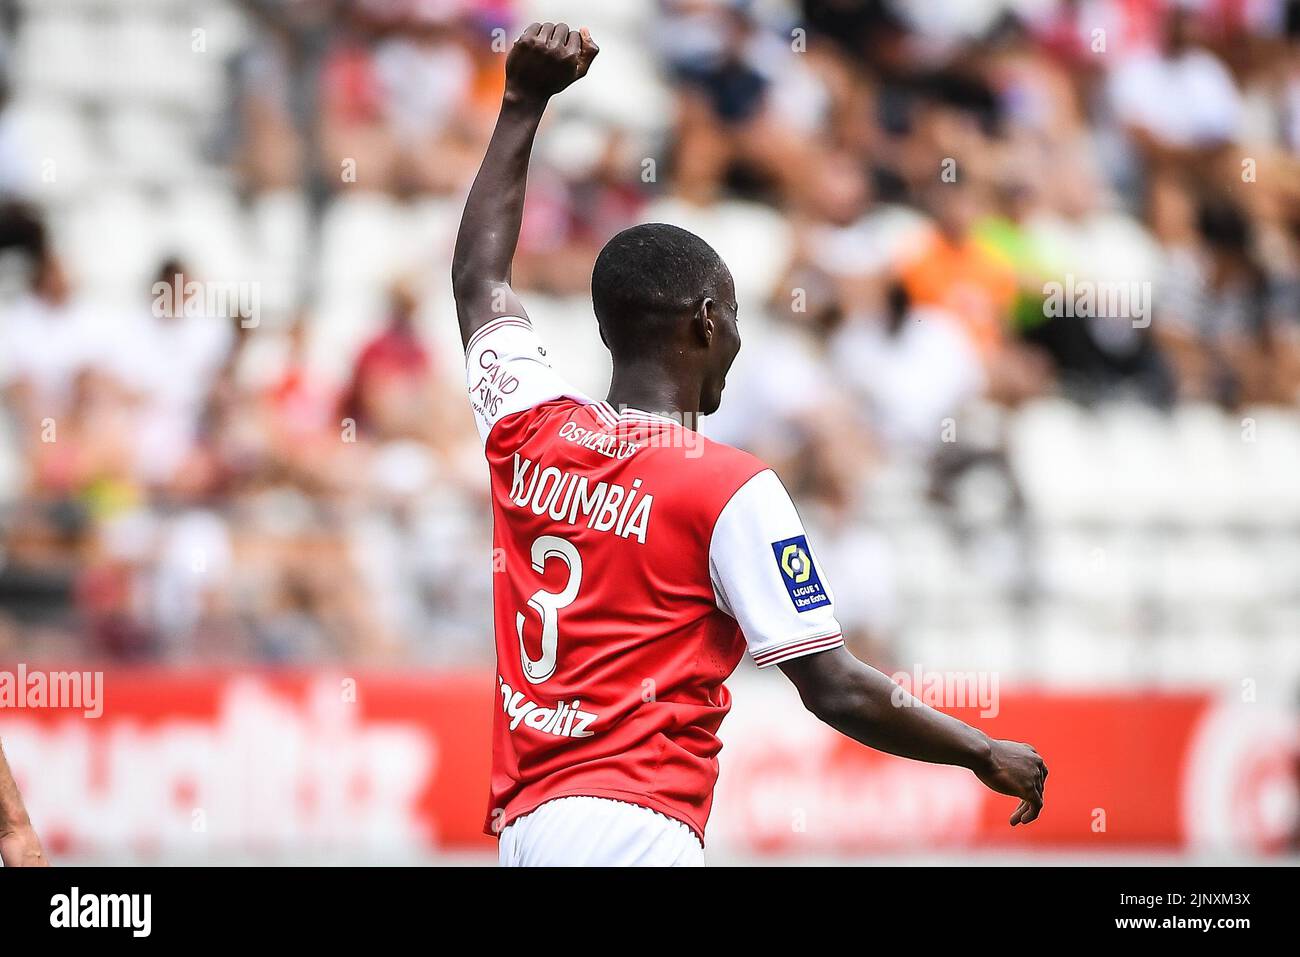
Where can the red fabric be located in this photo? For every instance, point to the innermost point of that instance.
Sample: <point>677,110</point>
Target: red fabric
<point>641,646</point>
<point>350,90</point>
<point>396,353</point>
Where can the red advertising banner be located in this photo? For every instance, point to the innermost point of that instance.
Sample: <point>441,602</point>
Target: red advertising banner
<point>1126,771</point>
<point>199,763</point>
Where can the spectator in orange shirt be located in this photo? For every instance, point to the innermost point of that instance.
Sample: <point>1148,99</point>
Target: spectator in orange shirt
<point>976,286</point>
<point>954,272</point>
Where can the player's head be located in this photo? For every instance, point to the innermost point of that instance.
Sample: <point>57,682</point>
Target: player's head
<point>664,298</point>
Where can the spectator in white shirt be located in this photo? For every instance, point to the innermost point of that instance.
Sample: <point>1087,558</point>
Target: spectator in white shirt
<point>47,337</point>
<point>1178,102</point>
<point>913,369</point>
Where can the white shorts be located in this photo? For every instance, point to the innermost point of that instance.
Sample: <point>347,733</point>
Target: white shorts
<point>597,832</point>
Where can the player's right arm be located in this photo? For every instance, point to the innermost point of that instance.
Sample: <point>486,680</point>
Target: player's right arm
<point>861,702</point>
<point>544,60</point>
<point>19,845</point>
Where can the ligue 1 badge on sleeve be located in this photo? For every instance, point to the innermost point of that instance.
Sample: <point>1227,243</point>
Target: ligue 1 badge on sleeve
<point>799,574</point>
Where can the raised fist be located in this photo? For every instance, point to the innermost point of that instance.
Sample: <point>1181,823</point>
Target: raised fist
<point>546,58</point>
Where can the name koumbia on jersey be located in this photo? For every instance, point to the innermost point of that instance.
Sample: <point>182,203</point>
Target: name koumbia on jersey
<point>569,497</point>
<point>635,573</point>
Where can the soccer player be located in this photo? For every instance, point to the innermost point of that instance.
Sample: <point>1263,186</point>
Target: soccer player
<point>637,561</point>
<point>19,845</point>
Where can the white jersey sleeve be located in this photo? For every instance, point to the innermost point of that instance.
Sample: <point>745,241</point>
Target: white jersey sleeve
<point>765,576</point>
<point>506,371</point>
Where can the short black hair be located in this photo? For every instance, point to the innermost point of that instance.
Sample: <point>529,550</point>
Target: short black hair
<point>1224,226</point>
<point>651,271</point>
<point>23,229</point>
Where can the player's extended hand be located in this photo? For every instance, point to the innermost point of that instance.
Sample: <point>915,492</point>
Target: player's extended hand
<point>20,847</point>
<point>546,58</point>
<point>1016,769</point>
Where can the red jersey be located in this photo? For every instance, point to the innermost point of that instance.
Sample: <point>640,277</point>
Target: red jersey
<point>635,562</point>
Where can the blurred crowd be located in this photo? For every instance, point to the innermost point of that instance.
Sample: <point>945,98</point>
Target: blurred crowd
<point>930,206</point>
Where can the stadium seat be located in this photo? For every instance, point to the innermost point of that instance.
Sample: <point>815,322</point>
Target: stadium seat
<point>1050,448</point>
<point>58,146</point>
<point>207,227</point>
<point>115,238</point>
<point>753,240</point>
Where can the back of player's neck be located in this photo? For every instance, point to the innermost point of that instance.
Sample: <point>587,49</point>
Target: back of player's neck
<point>651,394</point>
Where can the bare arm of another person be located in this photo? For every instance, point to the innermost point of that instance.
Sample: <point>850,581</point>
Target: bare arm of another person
<point>19,845</point>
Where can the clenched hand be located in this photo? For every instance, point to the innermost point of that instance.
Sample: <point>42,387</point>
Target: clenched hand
<point>546,58</point>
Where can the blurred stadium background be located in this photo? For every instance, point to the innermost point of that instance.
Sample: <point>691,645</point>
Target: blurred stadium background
<point>266,523</point>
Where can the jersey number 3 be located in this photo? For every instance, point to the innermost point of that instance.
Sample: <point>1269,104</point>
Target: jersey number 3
<point>547,604</point>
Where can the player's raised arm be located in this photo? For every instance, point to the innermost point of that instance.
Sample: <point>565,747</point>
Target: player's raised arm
<point>857,700</point>
<point>544,60</point>
<point>19,845</point>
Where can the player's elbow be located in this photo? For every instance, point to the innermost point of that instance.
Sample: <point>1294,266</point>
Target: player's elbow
<point>837,703</point>
<point>851,697</point>
<point>836,687</point>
